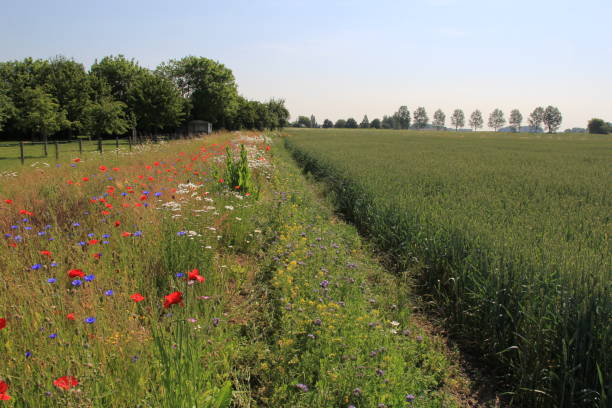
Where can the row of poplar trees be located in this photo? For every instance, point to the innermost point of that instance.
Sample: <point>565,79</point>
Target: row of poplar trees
<point>59,97</point>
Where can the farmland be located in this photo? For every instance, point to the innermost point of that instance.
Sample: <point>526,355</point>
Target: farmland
<point>148,279</point>
<point>508,235</point>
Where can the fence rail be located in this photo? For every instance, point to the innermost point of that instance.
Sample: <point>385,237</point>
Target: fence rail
<point>24,150</point>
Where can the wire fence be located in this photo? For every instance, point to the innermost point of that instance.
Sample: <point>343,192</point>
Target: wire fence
<point>54,148</point>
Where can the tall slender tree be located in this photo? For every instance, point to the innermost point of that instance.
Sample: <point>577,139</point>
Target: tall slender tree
<point>515,120</point>
<point>552,118</point>
<point>458,119</point>
<point>365,123</point>
<point>536,118</point>
<point>496,119</point>
<point>420,118</point>
<point>438,119</point>
<point>476,120</point>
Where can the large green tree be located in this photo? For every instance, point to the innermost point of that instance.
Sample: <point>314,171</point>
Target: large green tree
<point>515,120</point>
<point>438,119</point>
<point>7,109</point>
<point>402,118</point>
<point>552,118</point>
<point>41,113</point>
<point>536,118</point>
<point>496,119</point>
<point>155,102</point>
<point>458,119</point>
<point>598,126</point>
<point>119,73</point>
<point>105,116</point>
<point>476,120</point>
<point>209,85</point>
<point>420,118</point>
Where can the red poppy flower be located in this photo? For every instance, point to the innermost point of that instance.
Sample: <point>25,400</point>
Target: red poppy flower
<point>175,298</point>
<point>25,212</point>
<point>47,253</point>
<point>75,273</point>
<point>117,223</point>
<point>66,382</point>
<point>8,201</point>
<point>2,323</point>
<point>126,234</point>
<point>70,316</point>
<point>221,180</point>
<point>267,148</point>
<point>92,242</point>
<point>115,168</point>
<point>105,212</point>
<point>143,197</point>
<point>85,179</point>
<point>76,160</point>
<point>98,255</point>
<point>195,275</point>
<point>3,389</point>
<point>137,297</point>
<point>102,168</point>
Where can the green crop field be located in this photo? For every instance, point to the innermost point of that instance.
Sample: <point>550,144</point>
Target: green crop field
<point>510,234</point>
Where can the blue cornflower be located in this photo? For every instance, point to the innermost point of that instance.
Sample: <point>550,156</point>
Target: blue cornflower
<point>109,177</point>
<point>105,242</point>
<point>109,292</point>
<point>157,194</point>
<point>72,165</point>
<point>53,264</point>
<point>51,280</point>
<point>91,235</point>
<point>90,320</point>
<point>123,194</point>
<point>7,235</point>
<point>89,278</point>
<point>28,354</point>
<point>180,275</point>
<point>53,335</point>
<point>41,233</point>
<point>145,192</point>
<point>138,233</point>
<point>25,220</point>
<point>106,236</point>
<point>27,228</point>
<point>48,226</point>
<point>14,226</point>
<point>145,205</point>
<point>82,243</point>
<point>51,239</point>
<point>36,266</point>
<point>18,238</point>
<point>181,233</point>
<point>77,282</point>
<point>76,224</point>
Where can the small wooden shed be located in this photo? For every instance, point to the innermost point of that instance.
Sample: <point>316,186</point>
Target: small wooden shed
<point>199,126</point>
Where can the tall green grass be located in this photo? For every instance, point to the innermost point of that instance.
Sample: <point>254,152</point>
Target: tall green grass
<point>513,232</point>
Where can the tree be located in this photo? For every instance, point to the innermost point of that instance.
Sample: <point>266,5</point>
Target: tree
<point>105,117</point>
<point>42,113</point>
<point>313,121</point>
<point>327,124</point>
<point>402,118</point>
<point>536,118</point>
<point>304,121</point>
<point>387,122</point>
<point>420,118</point>
<point>439,118</point>
<point>458,119</point>
<point>598,126</point>
<point>496,119</point>
<point>155,102</point>
<point>515,120</point>
<point>552,118</point>
<point>476,120</point>
<point>68,83</point>
<point>340,123</point>
<point>351,123</point>
<point>279,113</point>
<point>209,86</point>
<point>365,123</point>
<point>375,123</point>
<point>7,109</point>
<point>119,73</point>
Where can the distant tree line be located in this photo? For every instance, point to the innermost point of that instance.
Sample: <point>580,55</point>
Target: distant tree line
<point>40,98</point>
<point>541,119</point>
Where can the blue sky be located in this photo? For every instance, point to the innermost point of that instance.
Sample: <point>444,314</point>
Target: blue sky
<point>349,58</point>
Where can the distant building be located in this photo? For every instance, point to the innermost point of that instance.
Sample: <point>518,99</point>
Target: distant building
<point>199,126</point>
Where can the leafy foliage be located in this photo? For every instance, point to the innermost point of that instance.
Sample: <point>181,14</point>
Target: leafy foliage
<point>496,119</point>
<point>476,120</point>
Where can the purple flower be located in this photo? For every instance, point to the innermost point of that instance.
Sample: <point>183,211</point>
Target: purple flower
<point>53,264</point>
<point>181,233</point>
<point>357,392</point>
<point>419,339</point>
<point>53,335</point>
<point>108,293</point>
<point>28,354</point>
<point>77,282</point>
<point>90,320</point>
<point>180,275</point>
<point>76,224</point>
<point>302,387</point>
<point>324,284</point>
<point>51,280</point>
<point>215,322</point>
<point>410,398</point>
<point>36,266</point>
<point>89,278</point>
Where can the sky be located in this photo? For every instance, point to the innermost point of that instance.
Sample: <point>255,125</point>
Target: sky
<point>340,59</point>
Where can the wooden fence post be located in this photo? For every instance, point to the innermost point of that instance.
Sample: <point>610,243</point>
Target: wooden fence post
<point>117,142</point>
<point>130,143</point>
<point>56,150</point>
<point>45,147</point>
<point>21,152</point>
<point>80,146</point>
<point>100,145</point>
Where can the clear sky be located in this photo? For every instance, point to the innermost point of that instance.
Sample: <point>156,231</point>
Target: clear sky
<point>349,58</point>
